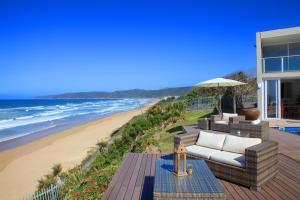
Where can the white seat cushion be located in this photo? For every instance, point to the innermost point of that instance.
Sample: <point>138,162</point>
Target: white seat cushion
<point>239,144</point>
<point>221,122</point>
<point>203,152</point>
<point>211,140</point>
<point>255,122</point>
<point>229,158</point>
<point>226,116</point>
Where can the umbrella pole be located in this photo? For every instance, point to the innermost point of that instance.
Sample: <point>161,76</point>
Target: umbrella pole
<point>220,101</point>
<point>234,99</point>
<point>234,103</point>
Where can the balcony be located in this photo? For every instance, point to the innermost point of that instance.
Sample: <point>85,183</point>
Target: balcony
<point>281,64</point>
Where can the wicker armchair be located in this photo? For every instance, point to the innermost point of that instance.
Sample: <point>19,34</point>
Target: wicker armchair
<point>260,163</point>
<point>204,124</point>
<point>246,129</point>
<point>214,125</point>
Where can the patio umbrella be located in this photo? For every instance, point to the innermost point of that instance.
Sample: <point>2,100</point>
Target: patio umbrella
<point>219,82</point>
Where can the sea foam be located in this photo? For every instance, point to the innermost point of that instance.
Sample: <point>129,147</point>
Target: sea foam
<point>17,116</point>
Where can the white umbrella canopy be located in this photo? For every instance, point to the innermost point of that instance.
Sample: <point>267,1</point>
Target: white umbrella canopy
<point>220,82</point>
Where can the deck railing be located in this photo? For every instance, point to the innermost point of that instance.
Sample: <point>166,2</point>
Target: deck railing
<point>202,103</point>
<point>281,64</point>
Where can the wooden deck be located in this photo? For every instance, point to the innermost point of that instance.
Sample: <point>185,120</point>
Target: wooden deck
<point>135,178</point>
<point>289,144</point>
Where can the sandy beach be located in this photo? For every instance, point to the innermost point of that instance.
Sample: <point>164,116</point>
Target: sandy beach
<point>21,167</point>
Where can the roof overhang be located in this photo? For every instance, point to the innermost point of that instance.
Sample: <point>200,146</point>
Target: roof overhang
<point>280,36</point>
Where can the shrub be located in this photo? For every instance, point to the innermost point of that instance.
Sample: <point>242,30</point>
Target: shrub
<point>174,111</point>
<point>155,110</point>
<point>50,178</point>
<point>141,124</point>
<point>45,182</point>
<point>156,120</point>
<point>102,146</point>
<point>191,95</point>
<point>56,169</point>
<point>130,131</point>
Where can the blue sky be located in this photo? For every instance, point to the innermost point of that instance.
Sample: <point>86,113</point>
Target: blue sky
<point>49,47</point>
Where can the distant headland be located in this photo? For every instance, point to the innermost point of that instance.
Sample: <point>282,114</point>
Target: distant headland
<point>134,93</point>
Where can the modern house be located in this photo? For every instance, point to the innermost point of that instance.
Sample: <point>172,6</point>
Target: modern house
<point>278,73</point>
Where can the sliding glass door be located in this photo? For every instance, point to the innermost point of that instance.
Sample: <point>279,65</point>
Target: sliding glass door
<point>272,99</point>
<point>290,99</point>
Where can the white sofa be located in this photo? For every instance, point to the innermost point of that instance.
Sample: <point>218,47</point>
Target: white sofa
<point>246,161</point>
<point>223,148</point>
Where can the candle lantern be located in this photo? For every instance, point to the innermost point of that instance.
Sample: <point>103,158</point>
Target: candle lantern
<point>179,157</point>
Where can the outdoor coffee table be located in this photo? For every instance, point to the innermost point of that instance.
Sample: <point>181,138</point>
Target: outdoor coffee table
<point>202,184</point>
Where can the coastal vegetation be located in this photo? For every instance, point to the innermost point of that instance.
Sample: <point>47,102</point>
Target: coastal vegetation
<point>90,179</point>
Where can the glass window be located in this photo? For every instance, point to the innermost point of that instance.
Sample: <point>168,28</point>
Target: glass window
<point>294,48</point>
<point>275,50</point>
<point>294,63</point>
<point>286,66</point>
<point>272,64</point>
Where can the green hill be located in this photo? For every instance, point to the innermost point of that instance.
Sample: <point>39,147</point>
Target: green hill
<point>135,93</point>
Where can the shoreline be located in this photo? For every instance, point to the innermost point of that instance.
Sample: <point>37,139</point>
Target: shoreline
<point>29,132</point>
<point>39,134</point>
<point>22,166</point>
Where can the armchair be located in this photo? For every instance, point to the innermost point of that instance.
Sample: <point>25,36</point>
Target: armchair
<point>223,122</point>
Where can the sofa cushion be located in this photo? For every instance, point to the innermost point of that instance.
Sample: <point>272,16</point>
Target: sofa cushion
<point>211,140</point>
<point>203,152</point>
<point>226,116</point>
<point>255,122</point>
<point>221,122</point>
<point>239,144</point>
<point>229,158</point>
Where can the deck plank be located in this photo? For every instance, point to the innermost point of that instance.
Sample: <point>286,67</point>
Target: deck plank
<point>290,183</point>
<point>132,182</point>
<point>117,176</point>
<point>281,191</point>
<point>117,186</point>
<point>291,189</point>
<point>146,191</point>
<point>228,190</point>
<point>270,193</point>
<point>250,194</point>
<point>138,186</point>
<point>239,192</point>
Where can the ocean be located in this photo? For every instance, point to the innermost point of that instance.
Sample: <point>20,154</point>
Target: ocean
<point>19,118</point>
